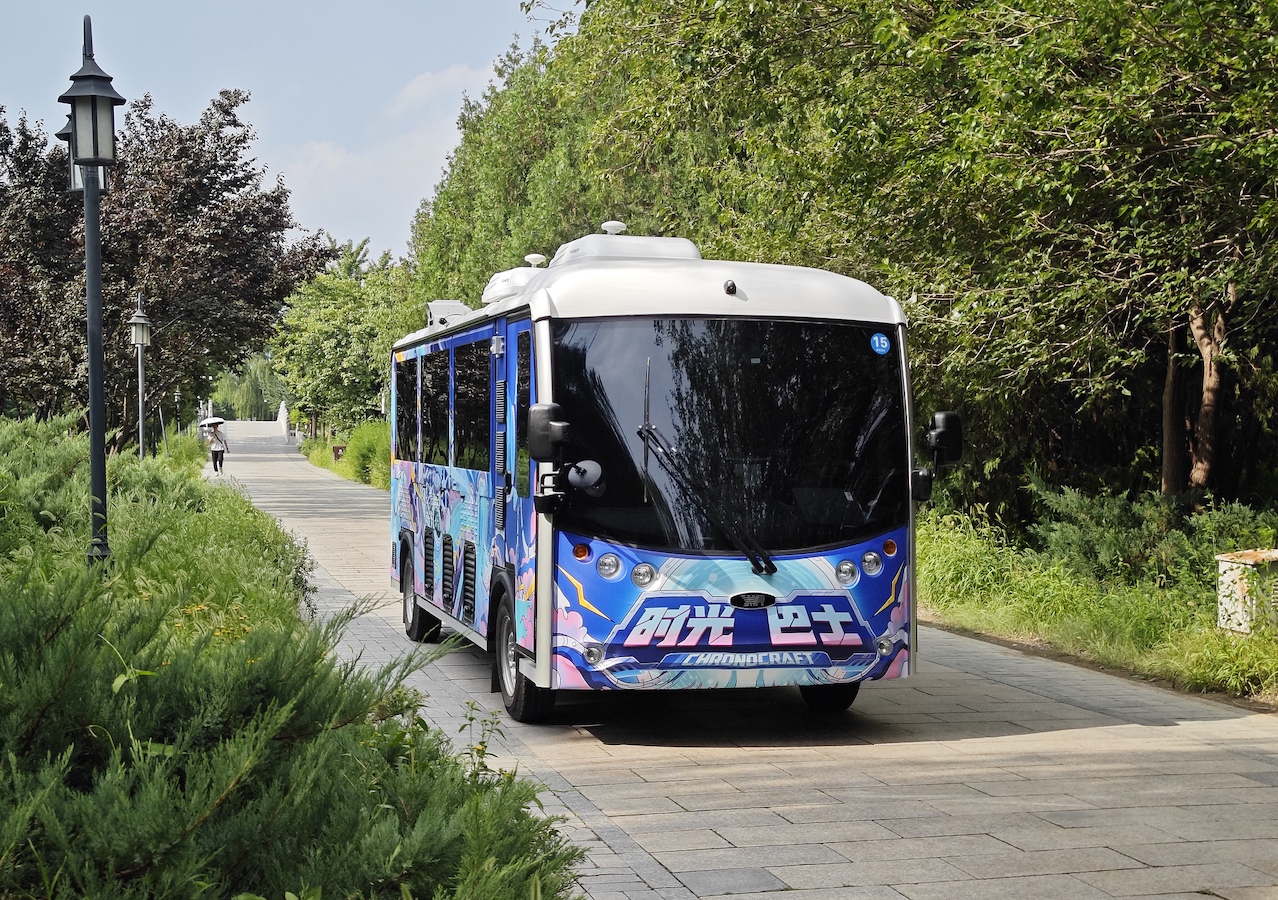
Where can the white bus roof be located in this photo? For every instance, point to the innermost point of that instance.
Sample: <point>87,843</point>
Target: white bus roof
<point>616,275</point>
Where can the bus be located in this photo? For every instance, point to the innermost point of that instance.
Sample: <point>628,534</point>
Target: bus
<point>638,469</point>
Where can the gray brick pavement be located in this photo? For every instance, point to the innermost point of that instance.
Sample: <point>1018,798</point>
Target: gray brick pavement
<point>989,774</point>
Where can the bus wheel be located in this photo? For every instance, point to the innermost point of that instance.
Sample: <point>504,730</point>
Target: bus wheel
<point>829,698</point>
<point>419,625</point>
<point>524,700</point>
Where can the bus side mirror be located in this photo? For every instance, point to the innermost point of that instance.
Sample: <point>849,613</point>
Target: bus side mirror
<point>945,439</point>
<point>546,431</point>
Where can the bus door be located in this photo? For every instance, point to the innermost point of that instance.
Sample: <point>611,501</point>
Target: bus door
<point>519,525</point>
<point>467,559</point>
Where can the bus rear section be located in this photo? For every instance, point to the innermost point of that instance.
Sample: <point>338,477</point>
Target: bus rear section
<point>707,479</point>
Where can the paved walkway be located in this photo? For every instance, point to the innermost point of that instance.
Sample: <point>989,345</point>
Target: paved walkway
<point>990,774</point>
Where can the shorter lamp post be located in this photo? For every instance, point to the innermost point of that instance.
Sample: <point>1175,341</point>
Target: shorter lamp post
<point>141,326</point>
<point>177,408</point>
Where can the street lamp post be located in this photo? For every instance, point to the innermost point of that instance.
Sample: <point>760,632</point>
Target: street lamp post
<point>177,408</point>
<point>141,326</point>
<point>93,102</point>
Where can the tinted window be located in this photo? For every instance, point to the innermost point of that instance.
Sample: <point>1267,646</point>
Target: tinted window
<point>792,433</point>
<point>435,408</point>
<point>472,423</point>
<point>523,395</point>
<point>406,409</point>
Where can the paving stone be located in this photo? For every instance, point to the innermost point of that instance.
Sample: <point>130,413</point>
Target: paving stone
<point>679,861</point>
<point>1040,887</point>
<point>1043,862</point>
<point>892,872</point>
<point>1176,878</point>
<point>731,881</point>
<point>874,892</point>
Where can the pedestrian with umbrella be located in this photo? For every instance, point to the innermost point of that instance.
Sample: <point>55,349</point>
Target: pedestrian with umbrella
<point>217,441</point>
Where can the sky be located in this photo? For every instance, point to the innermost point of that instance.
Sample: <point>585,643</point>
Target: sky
<point>354,103</point>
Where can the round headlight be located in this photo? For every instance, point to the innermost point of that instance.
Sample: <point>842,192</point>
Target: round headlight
<point>609,565</point>
<point>846,571</point>
<point>643,574</point>
<point>872,563</point>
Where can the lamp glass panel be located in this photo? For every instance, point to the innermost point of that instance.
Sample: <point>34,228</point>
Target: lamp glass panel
<point>82,132</point>
<point>105,129</point>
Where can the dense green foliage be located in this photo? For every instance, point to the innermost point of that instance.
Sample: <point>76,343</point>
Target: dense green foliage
<point>188,223</point>
<point>170,728</point>
<point>1126,584</point>
<point>333,349</point>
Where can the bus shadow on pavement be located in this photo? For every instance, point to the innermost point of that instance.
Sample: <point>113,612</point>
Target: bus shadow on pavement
<point>940,705</point>
<point>778,717</point>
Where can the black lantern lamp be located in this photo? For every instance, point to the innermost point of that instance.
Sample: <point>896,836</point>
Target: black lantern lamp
<point>141,326</point>
<point>93,102</point>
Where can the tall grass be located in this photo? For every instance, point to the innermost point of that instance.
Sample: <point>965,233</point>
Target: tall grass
<point>169,727</point>
<point>1157,618</point>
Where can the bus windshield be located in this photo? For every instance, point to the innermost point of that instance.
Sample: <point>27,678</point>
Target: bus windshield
<point>734,435</point>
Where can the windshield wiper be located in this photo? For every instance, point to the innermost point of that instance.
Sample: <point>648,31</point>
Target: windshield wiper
<point>760,560</point>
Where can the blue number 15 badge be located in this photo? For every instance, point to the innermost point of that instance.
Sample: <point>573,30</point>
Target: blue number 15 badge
<point>880,344</point>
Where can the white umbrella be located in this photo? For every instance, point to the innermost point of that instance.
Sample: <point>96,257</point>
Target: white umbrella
<point>213,420</point>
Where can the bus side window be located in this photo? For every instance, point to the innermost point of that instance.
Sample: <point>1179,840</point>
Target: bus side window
<point>406,409</point>
<point>523,396</point>
<point>472,421</point>
<point>435,408</point>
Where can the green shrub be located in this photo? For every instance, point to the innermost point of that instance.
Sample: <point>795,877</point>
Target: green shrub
<point>1153,538</point>
<point>367,456</point>
<point>169,728</point>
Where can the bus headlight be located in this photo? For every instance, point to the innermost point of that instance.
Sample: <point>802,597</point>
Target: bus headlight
<point>871,563</point>
<point>846,572</point>
<point>643,574</point>
<point>609,565</point>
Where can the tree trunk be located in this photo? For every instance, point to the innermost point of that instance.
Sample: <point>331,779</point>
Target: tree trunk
<point>1210,336</point>
<point>1175,449</point>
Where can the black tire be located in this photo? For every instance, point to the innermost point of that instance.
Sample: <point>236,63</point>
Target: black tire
<point>830,698</point>
<point>419,625</point>
<point>523,700</point>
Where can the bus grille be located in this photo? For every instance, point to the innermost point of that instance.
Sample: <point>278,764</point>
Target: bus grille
<point>468,583</point>
<point>449,574</point>
<point>428,565</point>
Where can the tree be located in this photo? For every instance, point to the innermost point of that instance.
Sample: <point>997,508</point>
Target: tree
<point>42,324</point>
<point>254,390</point>
<point>188,224</point>
<point>333,348</point>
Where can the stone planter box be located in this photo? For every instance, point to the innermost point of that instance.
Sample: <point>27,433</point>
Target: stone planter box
<point>1247,592</point>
